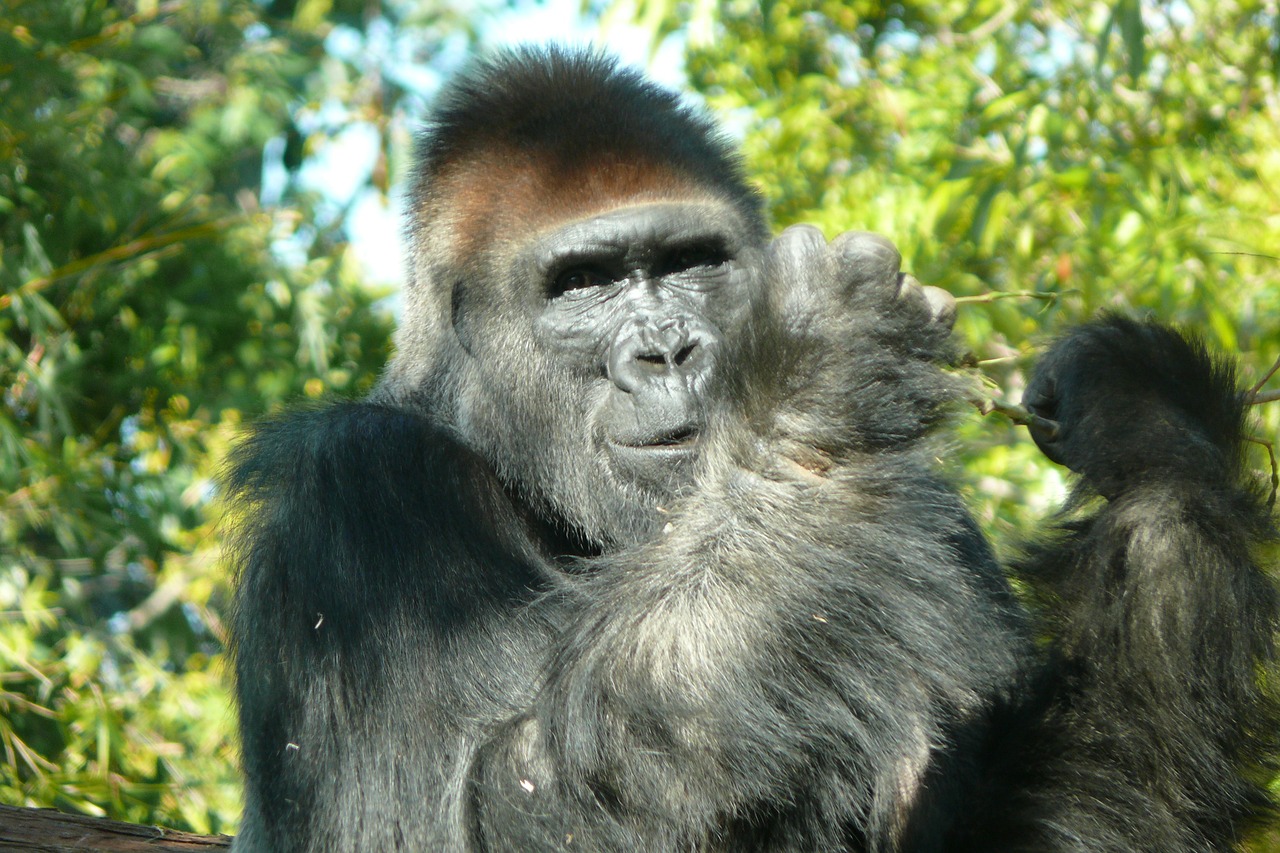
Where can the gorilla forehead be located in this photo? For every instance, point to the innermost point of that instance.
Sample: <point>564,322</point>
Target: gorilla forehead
<point>540,192</point>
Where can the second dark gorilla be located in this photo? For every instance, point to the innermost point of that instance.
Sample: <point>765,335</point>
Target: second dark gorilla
<point>639,544</point>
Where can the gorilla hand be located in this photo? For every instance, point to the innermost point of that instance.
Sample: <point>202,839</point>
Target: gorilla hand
<point>1135,403</point>
<point>818,281</point>
<point>850,345</point>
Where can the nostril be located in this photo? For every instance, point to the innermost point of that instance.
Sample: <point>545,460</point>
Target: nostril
<point>650,362</point>
<point>660,361</point>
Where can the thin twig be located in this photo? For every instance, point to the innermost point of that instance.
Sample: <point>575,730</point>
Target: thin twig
<point>994,295</point>
<point>1018,414</point>
<point>1025,417</point>
<point>1247,255</point>
<point>970,359</point>
<point>1004,359</point>
<point>1255,394</point>
<point>1275,469</point>
<point>130,251</point>
<point>1257,398</point>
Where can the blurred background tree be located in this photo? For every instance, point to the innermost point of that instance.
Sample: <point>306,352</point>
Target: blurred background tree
<point>1041,161</point>
<point>165,271</point>
<point>175,217</point>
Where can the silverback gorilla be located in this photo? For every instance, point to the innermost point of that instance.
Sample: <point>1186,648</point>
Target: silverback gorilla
<point>639,544</point>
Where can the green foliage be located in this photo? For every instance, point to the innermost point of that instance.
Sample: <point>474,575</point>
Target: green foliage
<point>144,306</point>
<point>1095,156</point>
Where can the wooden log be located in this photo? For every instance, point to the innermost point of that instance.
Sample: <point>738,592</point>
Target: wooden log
<point>51,831</point>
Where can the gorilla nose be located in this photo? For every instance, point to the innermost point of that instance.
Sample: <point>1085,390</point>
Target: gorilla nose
<point>672,352</point>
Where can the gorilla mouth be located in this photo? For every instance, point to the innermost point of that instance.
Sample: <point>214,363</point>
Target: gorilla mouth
<point>682,438</point>
<point>658,461</point>
<point>652,440</point>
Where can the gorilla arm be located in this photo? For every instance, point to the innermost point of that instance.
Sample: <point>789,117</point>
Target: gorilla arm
<point>1152,733</point>
<point>778,668</point>
<point>378,617</point>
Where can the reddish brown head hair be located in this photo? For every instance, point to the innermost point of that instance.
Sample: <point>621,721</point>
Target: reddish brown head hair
<point>532,137</point>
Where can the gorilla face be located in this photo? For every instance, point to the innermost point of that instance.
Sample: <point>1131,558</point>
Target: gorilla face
<point>578,255</point>
<point>598,358</point>
<point>642,298</point>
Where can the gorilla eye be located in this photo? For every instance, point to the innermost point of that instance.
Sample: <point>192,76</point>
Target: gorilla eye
<point>695,256</point>
<point>579,278</point>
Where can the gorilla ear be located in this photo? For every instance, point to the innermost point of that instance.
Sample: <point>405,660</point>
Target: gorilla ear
<point>427,349</point>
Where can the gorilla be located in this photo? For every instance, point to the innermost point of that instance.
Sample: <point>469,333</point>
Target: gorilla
<point>641,542</point>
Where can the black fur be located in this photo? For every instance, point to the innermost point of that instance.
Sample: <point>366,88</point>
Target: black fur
<point>510,604</point>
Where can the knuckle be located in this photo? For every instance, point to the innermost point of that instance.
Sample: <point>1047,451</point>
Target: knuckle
<point>866,255</point>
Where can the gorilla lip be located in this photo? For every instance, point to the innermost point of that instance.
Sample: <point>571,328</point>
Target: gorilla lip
<point>659,461</point>
<point>680,439</point>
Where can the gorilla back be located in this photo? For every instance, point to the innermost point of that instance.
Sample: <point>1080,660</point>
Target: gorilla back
<point>638,544</point>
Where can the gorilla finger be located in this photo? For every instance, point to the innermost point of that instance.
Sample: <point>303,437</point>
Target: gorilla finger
<point>940,304</point>
<point>866,258</point>
<point>798,268</point>
<point>800,250</point>
<point>1041,397</point>
<point>1048,437</point>
<point>1042,401</point>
